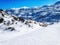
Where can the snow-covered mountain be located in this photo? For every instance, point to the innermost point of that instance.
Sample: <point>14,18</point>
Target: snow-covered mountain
<point>11,23</point>
<point>46,13</point>
<point>18,31</point>
<point>30,26</point>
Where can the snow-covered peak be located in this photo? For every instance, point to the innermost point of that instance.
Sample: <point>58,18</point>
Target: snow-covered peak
<point>58,2</point>
<point>25,7</point>
<point>15,8</point>
<point>35,7</point>
<point>14,23</point>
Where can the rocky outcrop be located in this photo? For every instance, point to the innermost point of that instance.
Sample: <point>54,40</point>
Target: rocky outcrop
<point>10,29</point>
<point>10,22</point>
<point>1,20</point>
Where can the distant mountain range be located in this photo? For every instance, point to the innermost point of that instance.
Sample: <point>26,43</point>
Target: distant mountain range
<point>14,23</point>
<point>46,13</point>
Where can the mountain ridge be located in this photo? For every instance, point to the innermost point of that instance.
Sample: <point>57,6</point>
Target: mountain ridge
<point>45,13</point>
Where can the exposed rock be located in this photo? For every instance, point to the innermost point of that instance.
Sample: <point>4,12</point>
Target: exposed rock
<point>10,29</point>
<point>43,25</point>
<point>1,10</point>
<point>21,19</point>
<point>12,21</point>
<point>1,20</point>
<point>3,15</point>
<point>35,22</point>
<point>15,18</point>
<point>27,22</point>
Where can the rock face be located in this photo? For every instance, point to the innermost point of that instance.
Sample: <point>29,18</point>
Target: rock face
<point>1,20</point>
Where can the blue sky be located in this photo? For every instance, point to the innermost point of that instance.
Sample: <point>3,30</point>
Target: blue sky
<point>6,4</point>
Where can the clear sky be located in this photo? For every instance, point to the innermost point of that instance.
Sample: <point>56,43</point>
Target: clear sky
<point>6,4</point>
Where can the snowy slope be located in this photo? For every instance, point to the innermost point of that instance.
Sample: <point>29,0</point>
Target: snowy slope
<point>13,23</point>
<point>12,26</point>
<point>43,36</point>
<point>30,26</point>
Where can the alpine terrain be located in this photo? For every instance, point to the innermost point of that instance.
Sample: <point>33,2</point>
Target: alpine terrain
<point>30,26</point>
